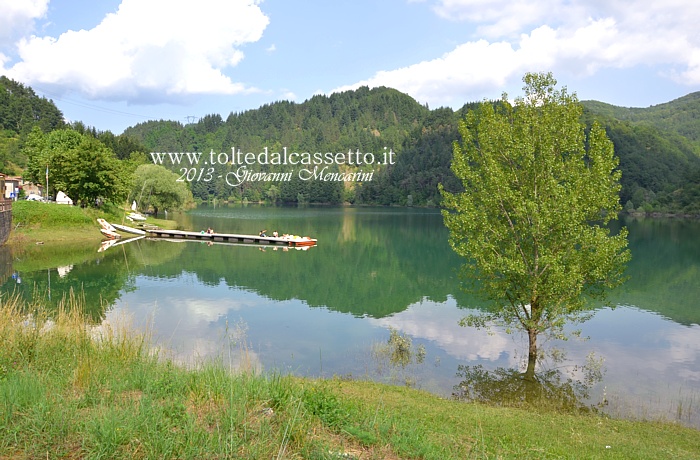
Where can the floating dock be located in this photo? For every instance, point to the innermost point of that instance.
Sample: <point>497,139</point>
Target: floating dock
<point>231,238</point>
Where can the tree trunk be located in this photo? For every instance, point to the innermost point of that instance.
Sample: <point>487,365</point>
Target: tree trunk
<point>531,355</point>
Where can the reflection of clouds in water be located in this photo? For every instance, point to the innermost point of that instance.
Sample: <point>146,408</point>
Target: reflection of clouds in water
<point>685,348</point>
<point>194,350</point>
<point>195,328</point>
<point>640,349</point>
<point>651,363</point>
<point>439,323</point>
<point>201,309</point>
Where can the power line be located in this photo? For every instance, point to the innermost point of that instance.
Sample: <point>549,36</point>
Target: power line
<point>88,106</point>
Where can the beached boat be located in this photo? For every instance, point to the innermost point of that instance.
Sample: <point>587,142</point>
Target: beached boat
<point>127,229</point>
<point>135,216</point>
<point>106,225</point>
<point>112,235</point>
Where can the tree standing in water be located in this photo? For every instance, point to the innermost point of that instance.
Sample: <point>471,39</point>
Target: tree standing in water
<point>532,219</point>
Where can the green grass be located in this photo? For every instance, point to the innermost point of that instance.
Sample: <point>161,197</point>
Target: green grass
<point>73,390</point>
<point>39,222</point>
<point>35,213</point>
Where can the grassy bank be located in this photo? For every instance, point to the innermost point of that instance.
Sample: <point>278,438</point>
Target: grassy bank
<point>37,222</point>
<point>70,390</point>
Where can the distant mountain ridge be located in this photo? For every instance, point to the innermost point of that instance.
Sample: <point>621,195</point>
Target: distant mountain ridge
<point>659,151</point>
<point>658,146</point>
<point>681,115</point>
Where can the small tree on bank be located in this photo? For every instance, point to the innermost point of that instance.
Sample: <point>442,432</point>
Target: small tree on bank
<point>154,186</point>
<point>532,219</point>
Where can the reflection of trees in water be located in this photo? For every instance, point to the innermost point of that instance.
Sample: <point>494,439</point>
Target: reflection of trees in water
<point>546,389</point>
<point>664,268</point>
<point>53,273</point>
<point>398,357</point>
<point>5,263</point>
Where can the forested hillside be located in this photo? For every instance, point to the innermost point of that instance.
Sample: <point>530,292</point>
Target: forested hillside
<point>36,143</point>
<point>681,116</point>
<point>363,120</point>
<point>658,147</point>
<point>20,111</point>
<point>659,150</point>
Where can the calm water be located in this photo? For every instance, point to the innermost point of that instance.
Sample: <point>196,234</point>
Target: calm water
<point>326,311</point>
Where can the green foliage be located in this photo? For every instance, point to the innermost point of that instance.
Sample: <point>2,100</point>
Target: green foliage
<point>654,155</point>
<point>10,158</point>
<point>658,147</point>
<point>398,357</point>
<point>77,164</point>
<point>423,164</point>
<point>654,163</point>
<point>531,220</point>
<point>549,390</point>
<point>678,116</point>
<point>20,111</point>
<point>321,402</point>
<point>157,188</point>
<point>659,150</point>
<point>366,119</point>
<point>400,350</point>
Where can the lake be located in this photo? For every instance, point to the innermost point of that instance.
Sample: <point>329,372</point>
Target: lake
<point>329,310</point>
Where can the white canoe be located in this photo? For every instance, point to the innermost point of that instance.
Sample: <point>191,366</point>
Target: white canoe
<point>106,225</point>
<point>127,229</point>
<point>136,216</point>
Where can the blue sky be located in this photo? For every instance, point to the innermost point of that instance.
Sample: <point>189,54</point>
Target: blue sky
<point>116,63</point>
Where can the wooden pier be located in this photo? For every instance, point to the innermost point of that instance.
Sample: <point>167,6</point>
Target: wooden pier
<point>231,238</point>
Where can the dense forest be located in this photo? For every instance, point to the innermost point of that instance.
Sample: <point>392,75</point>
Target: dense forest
<point>20,111</point>
<point>658,147</point>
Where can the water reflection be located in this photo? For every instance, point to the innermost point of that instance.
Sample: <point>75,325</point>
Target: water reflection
<point>321,312</point>
<point>6,271</point>
<point>549,389</point>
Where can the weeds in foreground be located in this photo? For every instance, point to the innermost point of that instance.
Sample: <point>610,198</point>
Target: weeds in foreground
<point>398,358</point>
<point>71,389</point>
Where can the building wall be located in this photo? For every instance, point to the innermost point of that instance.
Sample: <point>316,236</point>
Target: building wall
<point>5,214</point>
<point>13,184</point>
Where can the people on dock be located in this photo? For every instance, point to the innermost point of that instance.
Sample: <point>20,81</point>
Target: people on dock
<point>263,233</point>
<point>210,231</point>
<point>275,234</point>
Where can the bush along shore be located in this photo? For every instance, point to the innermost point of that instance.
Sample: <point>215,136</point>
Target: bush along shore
<point>71,389</point>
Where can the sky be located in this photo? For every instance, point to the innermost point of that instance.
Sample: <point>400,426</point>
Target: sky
<point>115,63</point>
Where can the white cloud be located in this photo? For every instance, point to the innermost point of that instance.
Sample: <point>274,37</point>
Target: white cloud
<point>497,18</point>
<point>439,323</point>
<point>288,95</point>
<point>153,51</point>
<point>574,37</point>
<point>17,18</point>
